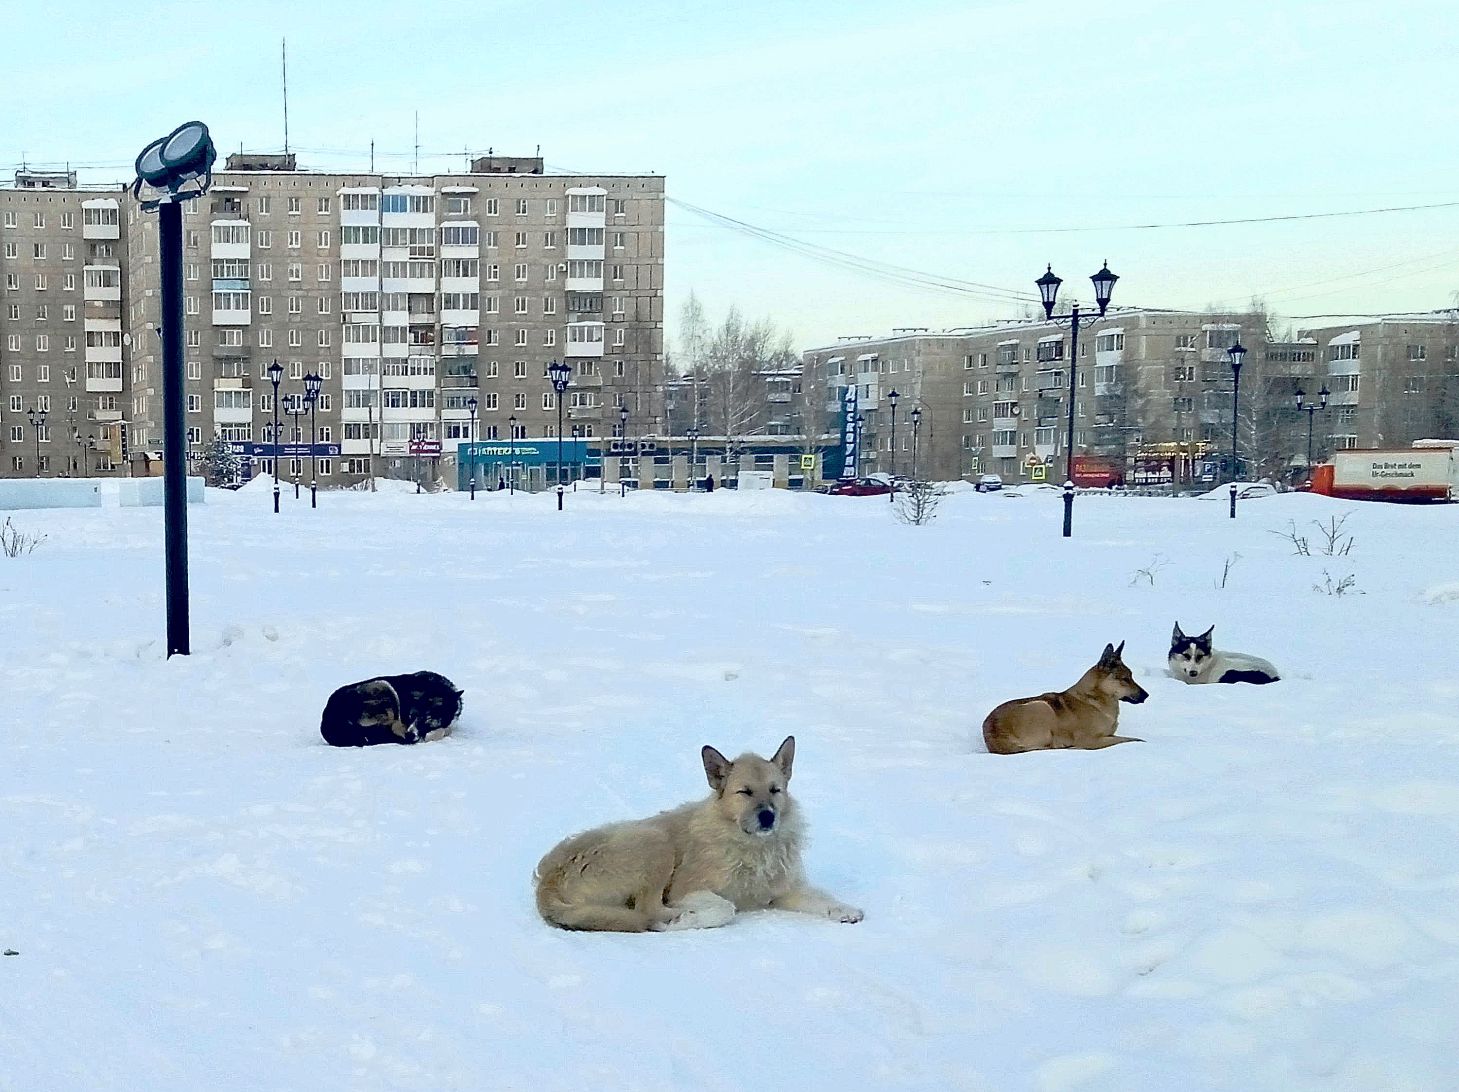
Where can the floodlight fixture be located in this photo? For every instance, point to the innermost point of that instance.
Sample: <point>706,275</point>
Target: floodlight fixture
<point>185,155</point>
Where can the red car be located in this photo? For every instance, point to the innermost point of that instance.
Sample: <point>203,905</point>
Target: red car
<point>858,487</point>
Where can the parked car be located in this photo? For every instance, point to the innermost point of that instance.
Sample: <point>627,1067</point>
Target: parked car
<point>1257,489</point>
<point>988,483</point>
<point>858,487</point>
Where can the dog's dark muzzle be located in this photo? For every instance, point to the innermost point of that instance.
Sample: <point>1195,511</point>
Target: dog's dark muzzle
<point>1136,699</point>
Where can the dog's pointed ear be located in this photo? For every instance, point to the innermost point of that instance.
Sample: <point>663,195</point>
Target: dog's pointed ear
<point>1205,638</point>
<point>1120,651</point>
<point>1107,656</point>
<point>785,756</point>
<point>1177,636</point>
<point>716,767</point>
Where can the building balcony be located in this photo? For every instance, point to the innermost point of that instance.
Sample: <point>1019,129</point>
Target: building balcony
<point>104,415</point>
<point>232,383</point>
<point>104,386</point>
<point>1005,451</point>
<point>1010,368</point>
<point>1109,390</point>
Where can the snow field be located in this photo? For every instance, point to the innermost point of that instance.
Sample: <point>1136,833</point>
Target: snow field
<point>203,895</point>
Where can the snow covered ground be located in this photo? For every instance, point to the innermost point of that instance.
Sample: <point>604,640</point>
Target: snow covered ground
<point>202,896</point>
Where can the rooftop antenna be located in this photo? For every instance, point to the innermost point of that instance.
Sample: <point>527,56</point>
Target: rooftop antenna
<point>415,168</point>
<point>284,54</point>
<point>372,157</point>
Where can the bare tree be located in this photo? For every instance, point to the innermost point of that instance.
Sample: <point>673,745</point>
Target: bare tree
<point>693,338</point>
<point>738,352</point>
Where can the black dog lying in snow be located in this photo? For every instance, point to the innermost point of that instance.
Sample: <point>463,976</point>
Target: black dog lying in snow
<point>391,709</point>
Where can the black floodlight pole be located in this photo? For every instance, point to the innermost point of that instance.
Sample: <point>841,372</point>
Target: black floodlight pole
<point>173,169</point>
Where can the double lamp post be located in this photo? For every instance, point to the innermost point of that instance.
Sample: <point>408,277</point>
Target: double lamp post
<point>1048,285</point>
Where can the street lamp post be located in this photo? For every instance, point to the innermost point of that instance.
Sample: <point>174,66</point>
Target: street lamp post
<point>1237,355</point>
<point>297,409</point>
<point>470,447</point>
<point>86,451</point>
<point>561,376</point>
<point>511,455</point>
<point>173,169</point>
<point>37,422</point>
<point>916,433</point>
<point>313,384</point>
<point>1048,285</point>
<point>275,374</point>
<point>1303,406</point>
<point>623,446</point>
<point>892,465</point>
<point>693,455</point>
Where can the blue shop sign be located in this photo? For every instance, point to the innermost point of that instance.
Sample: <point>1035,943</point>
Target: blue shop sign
<point>525,452</point>
<point>287,451</point>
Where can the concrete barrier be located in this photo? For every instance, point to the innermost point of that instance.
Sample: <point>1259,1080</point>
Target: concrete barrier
<point>147,492</point>
<point>18,493</point>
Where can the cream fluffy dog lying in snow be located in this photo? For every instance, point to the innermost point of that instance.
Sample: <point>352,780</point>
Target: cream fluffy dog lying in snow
<point>692,867</point>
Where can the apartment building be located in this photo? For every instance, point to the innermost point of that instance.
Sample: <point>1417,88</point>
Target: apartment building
<point>407,296</point>
<point>924,369</point>
<point>61,337</point>
<point>1392,381</point>
<point>994,399</point>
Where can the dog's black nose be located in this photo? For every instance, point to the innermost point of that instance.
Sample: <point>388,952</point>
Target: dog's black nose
<point>767,819</point>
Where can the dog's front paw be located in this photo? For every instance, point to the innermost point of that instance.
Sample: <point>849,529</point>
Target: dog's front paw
<point>850,915</point>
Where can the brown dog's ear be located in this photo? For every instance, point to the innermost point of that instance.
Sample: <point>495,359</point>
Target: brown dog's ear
<point>716,767</point>
<point>1108,655</point>
<point>785,756</point>
<point>1120,651</point>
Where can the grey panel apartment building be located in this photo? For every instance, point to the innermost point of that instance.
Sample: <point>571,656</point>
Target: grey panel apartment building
<point>1153,390</point>
<point>408,296</point>
<point>995,398</point>
<point>62,256</point>
<point>1392,380</point>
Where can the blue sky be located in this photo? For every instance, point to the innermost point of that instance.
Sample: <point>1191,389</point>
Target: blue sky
<point>936,136</point>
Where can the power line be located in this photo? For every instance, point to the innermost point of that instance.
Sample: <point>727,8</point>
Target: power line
<point>887,271</point>
<point>945,231</point>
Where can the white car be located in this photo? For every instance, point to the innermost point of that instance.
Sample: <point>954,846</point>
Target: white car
<point>988,483</point>
<point>1259,489</point>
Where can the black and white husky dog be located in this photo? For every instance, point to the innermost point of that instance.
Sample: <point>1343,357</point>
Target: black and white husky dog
<point>391,709</point>
<point>1193,660</point>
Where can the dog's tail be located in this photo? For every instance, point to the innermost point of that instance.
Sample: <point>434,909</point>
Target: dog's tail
<point>556,910</point>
